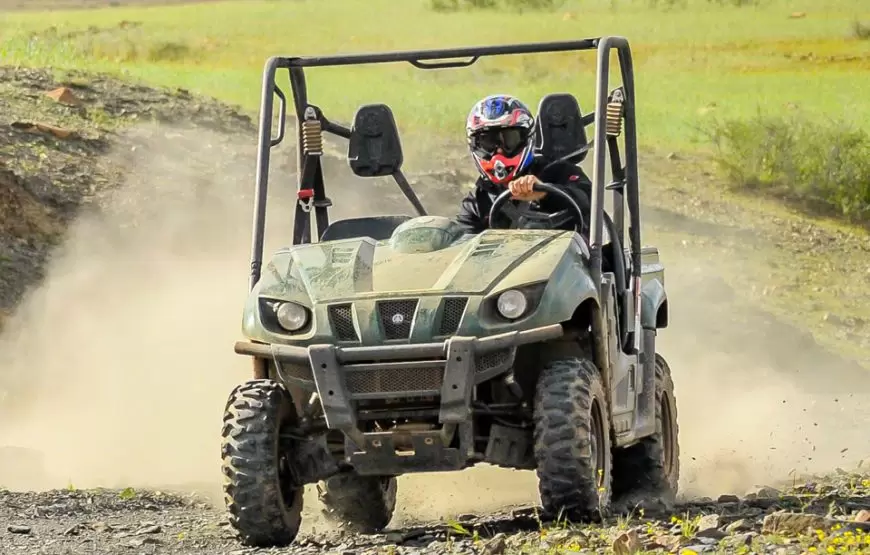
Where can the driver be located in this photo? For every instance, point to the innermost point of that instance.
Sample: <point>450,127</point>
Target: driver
<point>500,133</point>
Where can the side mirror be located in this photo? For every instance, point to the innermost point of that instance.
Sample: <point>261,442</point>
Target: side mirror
<point>374,148</point>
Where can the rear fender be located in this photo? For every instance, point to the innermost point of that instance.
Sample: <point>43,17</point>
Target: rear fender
<point>654,310</point>
<point>654,299</point>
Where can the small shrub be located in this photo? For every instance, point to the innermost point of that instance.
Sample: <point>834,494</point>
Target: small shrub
<point>444,5</point>
<point>738,3</point>
<point>533,4</point>
<point>668,4</point>
<point>823,166</point>
<point>168,52</point>
<point>861,30</point>
<point>521,5</point>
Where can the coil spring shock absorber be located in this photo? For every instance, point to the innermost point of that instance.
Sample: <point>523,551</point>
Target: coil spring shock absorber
<point>614,114</point>
<point>312,134</point>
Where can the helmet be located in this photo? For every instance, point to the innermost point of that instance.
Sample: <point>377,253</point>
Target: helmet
<point>500,136</point>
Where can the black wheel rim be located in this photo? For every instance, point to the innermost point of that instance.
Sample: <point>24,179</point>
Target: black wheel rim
<point>596,443</point>
<point>286,476</point>
<point>667,435</point>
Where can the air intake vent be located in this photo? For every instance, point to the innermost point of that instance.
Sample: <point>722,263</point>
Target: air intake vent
<point>341,255</point>
<point>341,320</point>
<point>451,315</point>
<point>487,247</point>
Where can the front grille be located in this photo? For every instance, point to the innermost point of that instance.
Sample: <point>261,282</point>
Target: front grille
<point>396,318</point>
<point>297,371</point>
<point>397,380</point>
<point>493,359</point>
<point>341,320</point>
<point>452,315</point>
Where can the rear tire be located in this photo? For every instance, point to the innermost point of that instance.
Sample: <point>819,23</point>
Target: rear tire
<point>651,468</point>
<point>572,440</point>
<point>264,505</point>
<point>364,503</point>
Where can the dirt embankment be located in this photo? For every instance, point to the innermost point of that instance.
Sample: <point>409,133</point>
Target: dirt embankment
<point>54,146</point>
<point>130,219</point>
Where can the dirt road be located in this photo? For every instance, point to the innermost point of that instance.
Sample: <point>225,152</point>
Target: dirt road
<point>766,521</point>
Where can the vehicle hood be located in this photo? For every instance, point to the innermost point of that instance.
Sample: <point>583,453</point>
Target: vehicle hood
<point>355,268</point>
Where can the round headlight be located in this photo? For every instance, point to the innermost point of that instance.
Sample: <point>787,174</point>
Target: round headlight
<point>291,316</point>
<point>512,304</point>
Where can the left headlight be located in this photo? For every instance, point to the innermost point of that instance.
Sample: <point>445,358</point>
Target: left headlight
<point>512,304</point>
<point>291,316</point>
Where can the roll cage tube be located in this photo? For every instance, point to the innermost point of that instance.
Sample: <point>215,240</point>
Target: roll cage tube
<point>311,190</point>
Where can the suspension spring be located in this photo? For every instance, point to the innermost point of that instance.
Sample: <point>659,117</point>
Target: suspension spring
<point>312,137</point>
<point>614,118</point>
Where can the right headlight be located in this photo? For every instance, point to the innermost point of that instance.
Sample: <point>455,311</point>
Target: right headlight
<point>291,316</point>
<point>512,304</point>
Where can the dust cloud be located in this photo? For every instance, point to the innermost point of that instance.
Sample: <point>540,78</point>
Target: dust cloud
<point>760,403</point>
<point>127,344</point>
<point>124,353</point>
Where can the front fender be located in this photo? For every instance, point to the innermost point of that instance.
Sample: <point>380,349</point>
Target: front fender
<point>562,265</point>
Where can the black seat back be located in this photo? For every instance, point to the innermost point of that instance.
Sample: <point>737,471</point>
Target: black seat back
<point>374,148</point>
<point>560,128</point>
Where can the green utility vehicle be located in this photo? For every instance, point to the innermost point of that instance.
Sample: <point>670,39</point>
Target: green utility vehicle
<point>394,344</point>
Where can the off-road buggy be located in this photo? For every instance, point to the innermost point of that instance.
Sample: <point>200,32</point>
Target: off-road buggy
<point>393,344</point>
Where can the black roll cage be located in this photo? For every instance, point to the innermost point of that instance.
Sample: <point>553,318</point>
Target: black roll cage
<point>311,190</point>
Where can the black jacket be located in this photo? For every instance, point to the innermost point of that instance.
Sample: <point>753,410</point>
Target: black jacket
<point>474,208</point>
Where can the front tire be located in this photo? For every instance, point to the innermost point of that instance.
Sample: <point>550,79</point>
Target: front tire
<point>265,506</point>
<point>572,440</point>
<point>651,467</point>
<point>365,503</point>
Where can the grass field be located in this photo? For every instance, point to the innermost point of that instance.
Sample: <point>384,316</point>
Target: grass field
<point>692,63</point>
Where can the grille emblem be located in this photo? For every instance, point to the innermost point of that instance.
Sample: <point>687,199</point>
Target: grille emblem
<point>398,319</point>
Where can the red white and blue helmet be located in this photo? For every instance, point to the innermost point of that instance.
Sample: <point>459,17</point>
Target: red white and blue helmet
<point>500,136</point>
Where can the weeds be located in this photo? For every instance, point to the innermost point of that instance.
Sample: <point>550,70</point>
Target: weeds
<point>688,524</point>
<point>820,166</point>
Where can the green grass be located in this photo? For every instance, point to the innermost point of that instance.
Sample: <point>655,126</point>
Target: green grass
<point>691,62</point>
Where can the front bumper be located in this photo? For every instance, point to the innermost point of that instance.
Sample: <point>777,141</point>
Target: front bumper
<point>448,370</point>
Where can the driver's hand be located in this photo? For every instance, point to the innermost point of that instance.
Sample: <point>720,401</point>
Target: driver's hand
<point>521,188</point>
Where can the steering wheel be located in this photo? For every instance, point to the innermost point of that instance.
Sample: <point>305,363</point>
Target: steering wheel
<point>521,214</point>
